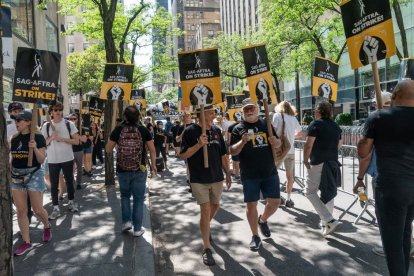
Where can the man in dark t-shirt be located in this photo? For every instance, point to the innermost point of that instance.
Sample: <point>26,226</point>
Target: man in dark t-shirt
<point>321,147</point>
<point>131,167</point>
<point>250,140</point>
<point>391,132</point>
<point>206,183</point>
<point>160,142</point>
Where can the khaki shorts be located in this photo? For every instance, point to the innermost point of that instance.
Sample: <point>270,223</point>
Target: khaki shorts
<point>207,192</point>
<point>289,163</point>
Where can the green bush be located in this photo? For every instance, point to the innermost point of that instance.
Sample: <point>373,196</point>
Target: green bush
<point>344,119</point>
<point>307,119</point>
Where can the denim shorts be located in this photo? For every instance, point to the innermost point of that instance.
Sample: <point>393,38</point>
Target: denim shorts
<point>36,183</point>
<point>269,186</point>
<point>87,150</point>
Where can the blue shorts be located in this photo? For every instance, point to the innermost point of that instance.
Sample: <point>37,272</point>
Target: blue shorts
<point>269,186</point>
<point>87,150</point>
<point>36,183</point>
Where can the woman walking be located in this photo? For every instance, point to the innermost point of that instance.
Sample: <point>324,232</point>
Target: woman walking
<point>97,144</point>
<point>28,180</point>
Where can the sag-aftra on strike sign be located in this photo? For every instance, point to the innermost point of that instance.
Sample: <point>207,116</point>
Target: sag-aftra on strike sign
<point>369,30</point>
<point>37,76</point>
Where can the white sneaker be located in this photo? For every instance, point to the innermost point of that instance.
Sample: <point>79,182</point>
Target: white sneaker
<point>126,226</point>
<point>330,227</point>
<point>73,207</point>
<point>55,214</point>
<point>139,233</point>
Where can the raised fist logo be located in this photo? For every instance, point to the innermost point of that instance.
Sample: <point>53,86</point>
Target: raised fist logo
<point>259,139</point>
<point>370,47</point>
<point>138,105</point>
<point>237,116</point>
<point>115,93</point>
<point>201,94</point>
<point>325,90</point>
<point>262,91</point>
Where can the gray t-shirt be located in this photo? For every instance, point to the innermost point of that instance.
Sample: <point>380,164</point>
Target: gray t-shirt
<point>393,133</point>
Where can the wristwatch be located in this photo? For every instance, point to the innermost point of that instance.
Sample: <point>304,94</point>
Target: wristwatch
<point>360,178</point>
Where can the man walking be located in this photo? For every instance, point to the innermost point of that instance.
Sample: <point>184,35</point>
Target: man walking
<point>206,183</point>
<point>60,136</point>
<point>132,140</point>
<point>391,132</point>
<point>251,141</point>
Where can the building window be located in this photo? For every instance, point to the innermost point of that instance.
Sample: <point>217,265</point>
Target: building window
<point>21,19</point>
<point>51,36</point>
<point>210,33</point>
<point>71,47</point>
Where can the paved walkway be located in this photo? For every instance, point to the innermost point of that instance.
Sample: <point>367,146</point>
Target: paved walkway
<point>295,248</point>
<point>89,242</point>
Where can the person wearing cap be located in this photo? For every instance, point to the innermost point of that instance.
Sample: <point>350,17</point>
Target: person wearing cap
<point>390,131</point>
<point>206,183</point>
<point>368,165</point>
<point>251,141</point>
<point>60,135</point>
<point>13,109</point>
<point>28,181</point>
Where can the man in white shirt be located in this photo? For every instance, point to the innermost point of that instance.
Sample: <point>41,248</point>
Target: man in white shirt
<point>285,112</point>
<point>60,135</point>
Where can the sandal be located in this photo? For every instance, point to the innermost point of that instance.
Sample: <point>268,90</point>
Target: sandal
<point>208,257</point>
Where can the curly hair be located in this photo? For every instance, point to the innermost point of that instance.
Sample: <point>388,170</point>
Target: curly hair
<point>325,110</point>
<point>286,108</point>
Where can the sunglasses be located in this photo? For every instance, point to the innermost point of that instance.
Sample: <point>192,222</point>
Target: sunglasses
<point>57,110</point>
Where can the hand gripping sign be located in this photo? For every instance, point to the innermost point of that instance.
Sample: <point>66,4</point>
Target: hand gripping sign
<point>325,79</point>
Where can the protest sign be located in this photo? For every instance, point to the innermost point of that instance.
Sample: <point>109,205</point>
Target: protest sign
<point>325,79</point>
<point>117,81</point>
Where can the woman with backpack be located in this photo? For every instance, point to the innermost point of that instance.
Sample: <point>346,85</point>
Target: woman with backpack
<point>28,180</point>
<point>131,140</point>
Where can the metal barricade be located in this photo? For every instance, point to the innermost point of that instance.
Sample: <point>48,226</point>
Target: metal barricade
<point>348,157</point>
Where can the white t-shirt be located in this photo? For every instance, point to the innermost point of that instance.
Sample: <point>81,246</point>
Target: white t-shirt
<point>292,127</point>
<point>11,130</point>
<point>59,152</point>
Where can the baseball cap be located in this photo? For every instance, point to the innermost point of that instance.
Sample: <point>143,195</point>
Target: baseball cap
<point>248,102</point>
<point>14,106</point>
<point>25,115</point>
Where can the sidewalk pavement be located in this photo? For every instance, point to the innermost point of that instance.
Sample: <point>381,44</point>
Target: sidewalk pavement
<point>296,246</point>
<point>89,242</point>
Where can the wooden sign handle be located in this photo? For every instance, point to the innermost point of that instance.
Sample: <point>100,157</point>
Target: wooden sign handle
<point>33,126</point>
<point>269,128</point>
<point>80,116</point>
<point>377,85</point>
<point>203,131</point>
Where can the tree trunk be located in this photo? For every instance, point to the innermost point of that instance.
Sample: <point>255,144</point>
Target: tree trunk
<point>400,23</point>
<point>277,87</point>
<point>298,95</point>
<point>6,223</point>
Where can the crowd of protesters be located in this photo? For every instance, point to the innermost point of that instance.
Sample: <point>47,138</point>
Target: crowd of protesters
<point>223,153</point>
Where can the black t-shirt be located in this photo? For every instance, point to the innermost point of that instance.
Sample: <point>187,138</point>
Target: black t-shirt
<point>20,150</point>
<point>393,133</point>
<point>182,128</point>
<point>256,158</point>
<point>88,133</point>
<point>216,149</point>
<point>146,136</point>
<point>325,147</point>
<point>159,137</point>
<point>174,130</point>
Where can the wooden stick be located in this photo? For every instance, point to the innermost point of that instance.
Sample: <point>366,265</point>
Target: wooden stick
<point>33,127</point>
<point>377,85</point>
<point>203,131</point>
<point>80,116</point>
<point>114,113</point>
<point>269,127</point>
<point>49,120</point>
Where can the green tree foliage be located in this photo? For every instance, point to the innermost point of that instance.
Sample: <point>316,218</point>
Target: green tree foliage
<point>344,119</point>
<point>85,70</point>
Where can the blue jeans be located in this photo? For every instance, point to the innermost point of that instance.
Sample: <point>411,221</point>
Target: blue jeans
<point>132,183</point>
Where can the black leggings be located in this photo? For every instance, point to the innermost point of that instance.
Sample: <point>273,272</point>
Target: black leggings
<point>54,171</point>
<point>159,149</point>
<point>97,152</point>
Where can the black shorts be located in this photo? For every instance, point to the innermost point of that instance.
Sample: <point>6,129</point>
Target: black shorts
<point>235,158</point>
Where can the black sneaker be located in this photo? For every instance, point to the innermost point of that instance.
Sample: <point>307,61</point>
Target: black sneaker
<point>256,243</point>
<point>282,200</point>
<point>264,228</point>
<point>78,187</point>
<point>289,203</point>
<point>208,257</point>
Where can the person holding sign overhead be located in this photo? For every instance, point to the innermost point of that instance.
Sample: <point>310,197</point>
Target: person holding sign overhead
<point>28,180</point>
<point>251,141</point>
<point>206,183</point>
